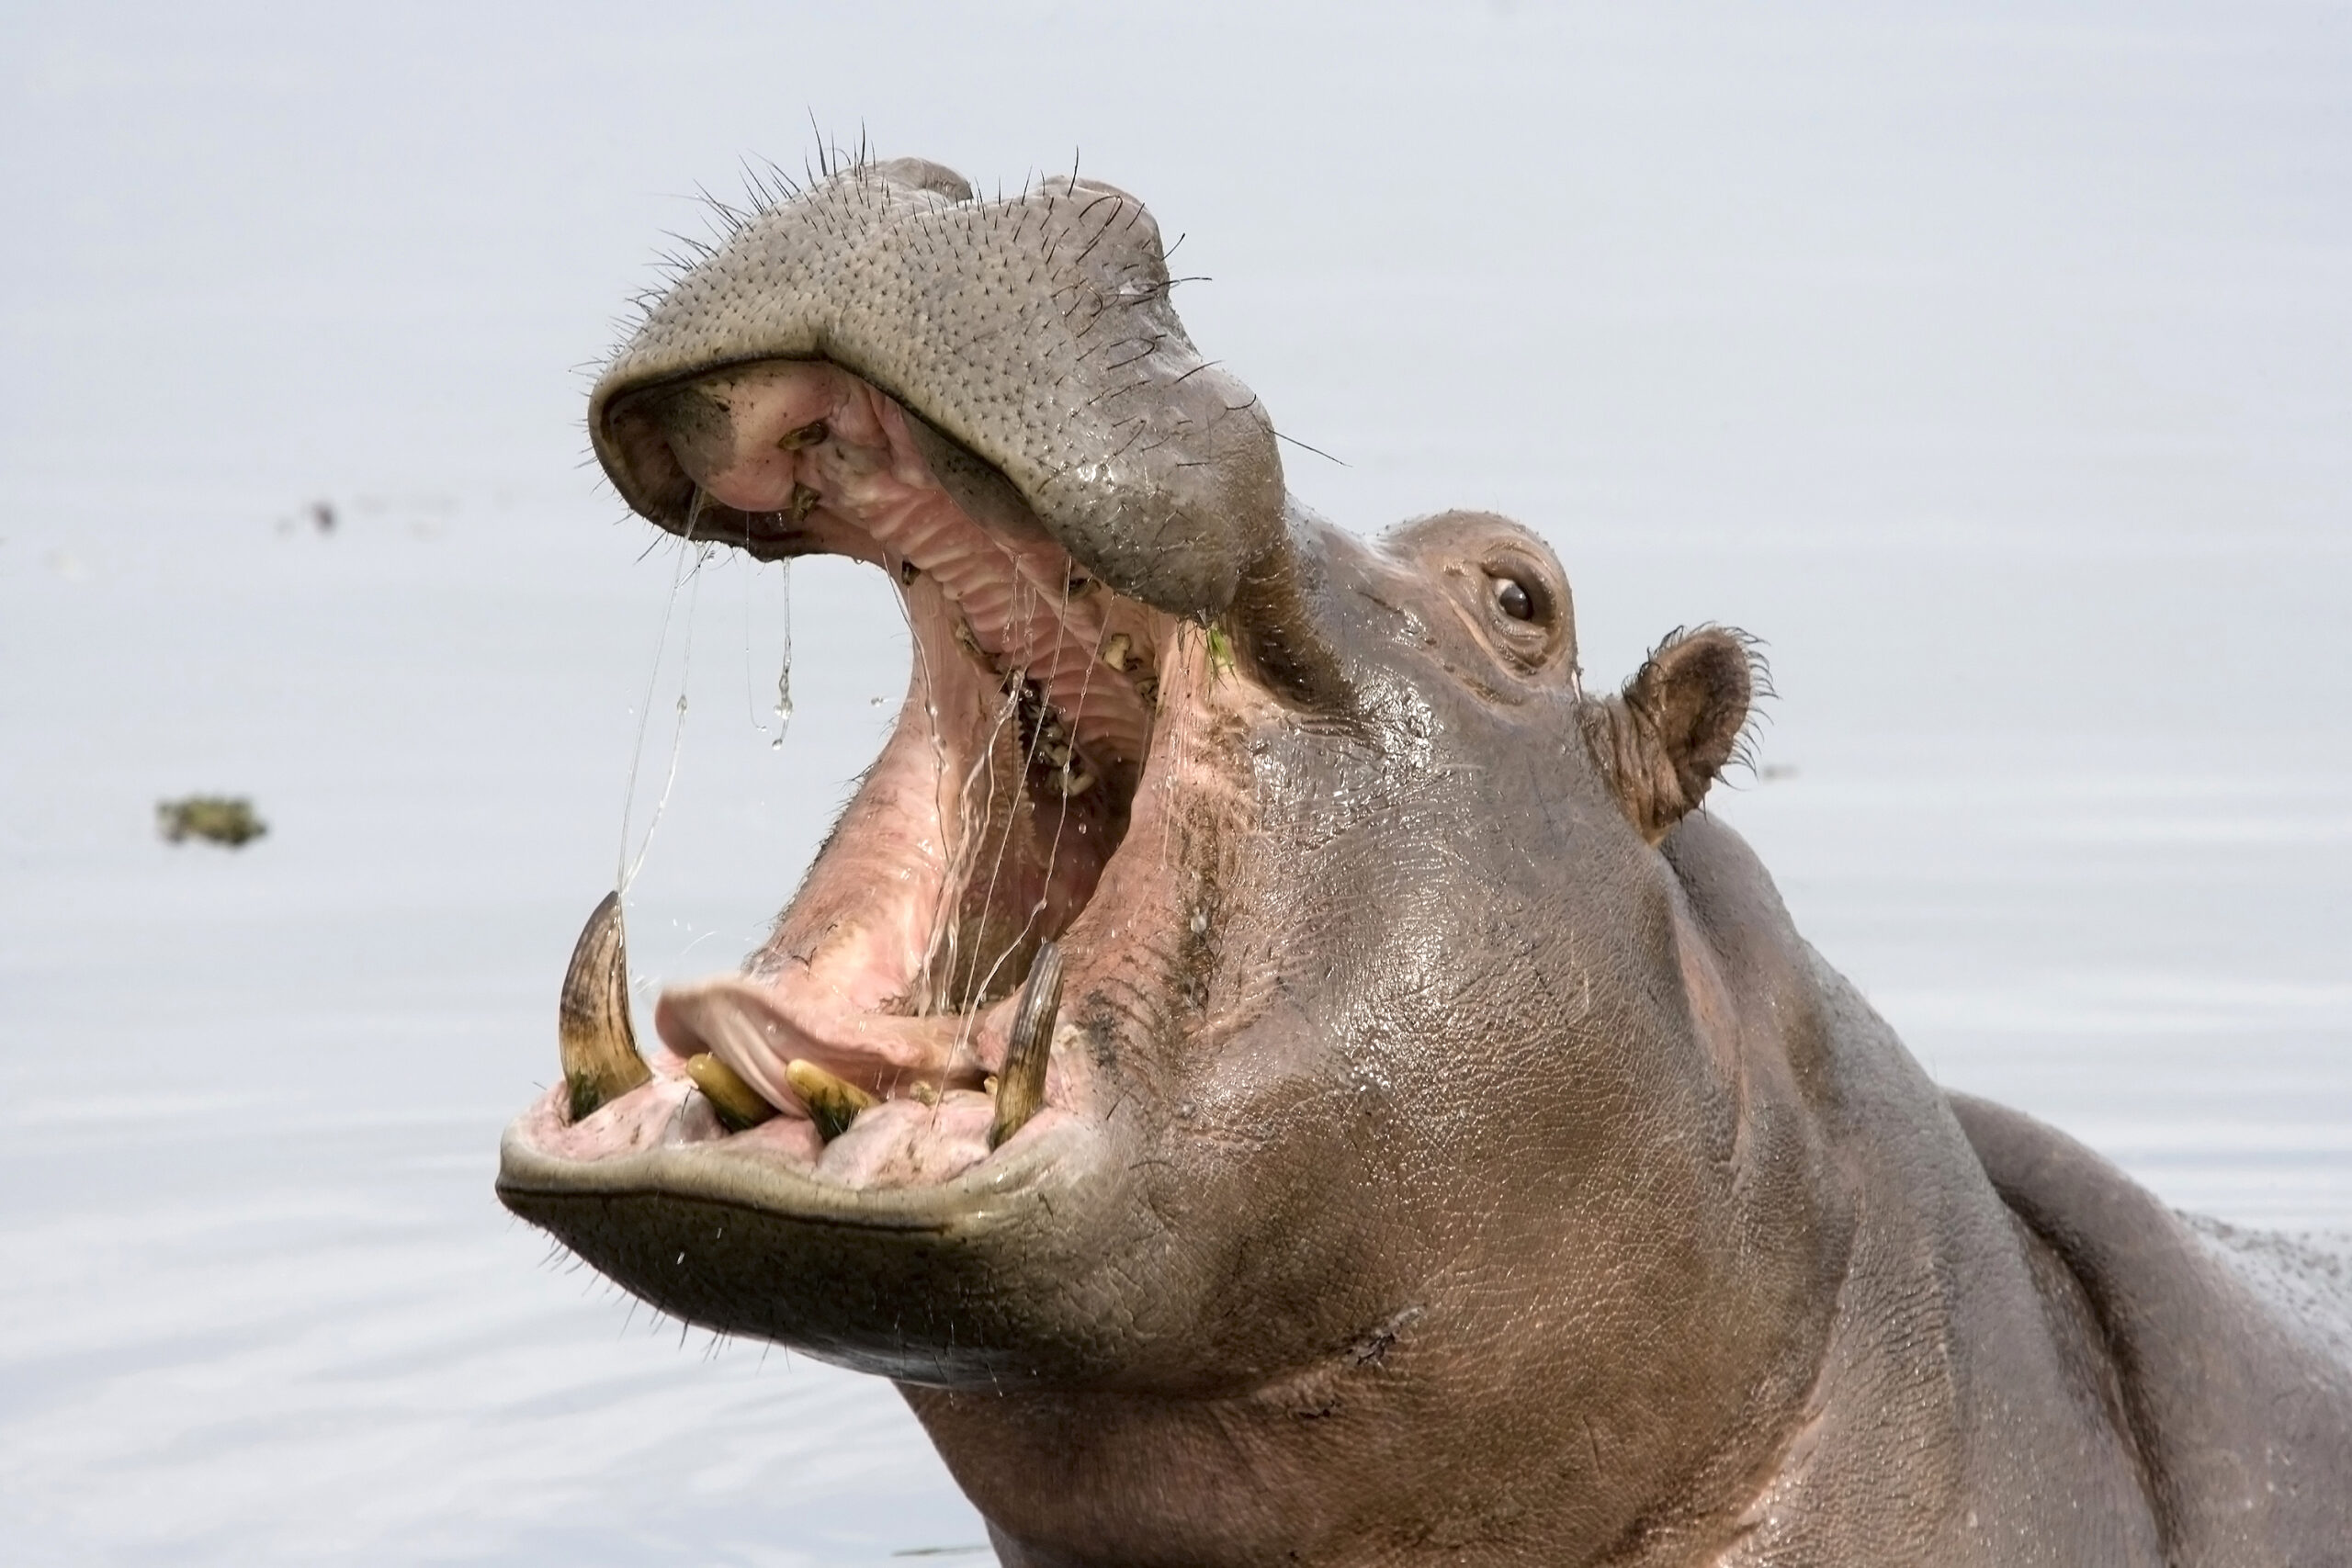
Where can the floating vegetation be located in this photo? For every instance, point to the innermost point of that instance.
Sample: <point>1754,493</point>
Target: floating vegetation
<point>216,819</point>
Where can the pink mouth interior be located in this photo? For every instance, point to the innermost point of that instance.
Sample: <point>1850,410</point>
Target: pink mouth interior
<point>982,831</point>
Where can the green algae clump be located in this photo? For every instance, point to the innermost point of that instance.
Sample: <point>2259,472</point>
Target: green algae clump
<point>217,818</point>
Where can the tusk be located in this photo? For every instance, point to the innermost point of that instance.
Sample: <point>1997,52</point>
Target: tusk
<point>737,1103</point>
<point>833,1104</point>
<point>600,1059</point>
<point>1021,1088</point>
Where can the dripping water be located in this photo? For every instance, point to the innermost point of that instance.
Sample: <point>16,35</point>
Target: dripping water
<point>784,666</point>
<point>780,711</point>
<point>698,553</point>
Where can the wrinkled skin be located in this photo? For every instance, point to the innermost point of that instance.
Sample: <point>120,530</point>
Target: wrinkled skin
<point>1452,1153</point>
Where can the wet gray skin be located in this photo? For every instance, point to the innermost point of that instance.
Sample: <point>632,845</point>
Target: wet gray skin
<point>1450,1151</point>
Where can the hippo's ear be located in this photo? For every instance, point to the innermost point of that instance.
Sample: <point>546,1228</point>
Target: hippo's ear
<point>1661,742</point>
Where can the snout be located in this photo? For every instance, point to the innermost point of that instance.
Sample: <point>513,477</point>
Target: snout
<point>1022,352</point>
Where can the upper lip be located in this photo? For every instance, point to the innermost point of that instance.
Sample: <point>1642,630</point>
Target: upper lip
<point>1035,330</point>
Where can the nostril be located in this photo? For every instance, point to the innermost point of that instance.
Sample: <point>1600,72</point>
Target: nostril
<point>643,465</point>
<point>697,428</point>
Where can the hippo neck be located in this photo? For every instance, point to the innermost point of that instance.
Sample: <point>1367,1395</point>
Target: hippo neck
<point>1881,1296</point>
<point>1951,1306</point>
<point>1382,1451</point>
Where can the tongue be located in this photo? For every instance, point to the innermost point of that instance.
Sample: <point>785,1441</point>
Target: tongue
<point>760,1030</point>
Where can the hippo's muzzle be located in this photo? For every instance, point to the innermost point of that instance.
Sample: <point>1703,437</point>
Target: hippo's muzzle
<point>991,403</point>
<point>1029,346</point>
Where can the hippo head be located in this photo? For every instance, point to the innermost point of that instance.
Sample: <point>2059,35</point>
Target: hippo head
<point>1250,1063</point>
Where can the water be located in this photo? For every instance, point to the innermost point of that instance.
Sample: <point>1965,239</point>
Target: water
<point>783,662</point>
<point>1991,369</point>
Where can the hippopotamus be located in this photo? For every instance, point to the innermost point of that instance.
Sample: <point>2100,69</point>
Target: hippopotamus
<point>1275,1067</point>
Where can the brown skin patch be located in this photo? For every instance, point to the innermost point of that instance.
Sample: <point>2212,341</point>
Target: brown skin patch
<point>1663,739</point>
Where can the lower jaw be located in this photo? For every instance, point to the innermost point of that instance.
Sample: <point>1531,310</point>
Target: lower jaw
<point>900,1144</point>
<point>970,1090</point>
<point>803,1118</point>
<point>967,1283</point>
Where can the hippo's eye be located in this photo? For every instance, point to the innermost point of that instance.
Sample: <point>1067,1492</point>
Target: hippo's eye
<point>1512,598</point>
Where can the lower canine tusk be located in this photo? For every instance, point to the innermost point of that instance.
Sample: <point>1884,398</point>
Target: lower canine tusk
<point>1021,1087</point>
<point>600,1059</point>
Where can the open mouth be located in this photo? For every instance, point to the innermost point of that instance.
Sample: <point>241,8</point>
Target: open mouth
<point>908,1016</point>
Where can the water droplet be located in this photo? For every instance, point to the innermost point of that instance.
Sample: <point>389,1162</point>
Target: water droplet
<point>783,667</point>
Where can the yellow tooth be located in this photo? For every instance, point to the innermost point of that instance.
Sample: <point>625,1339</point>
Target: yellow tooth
<point>1114,651</point>
<point>807,436</point>
<point>737,1103</point>
<point>833,1104</point>
<point>1028,1051</point>
<point>599,1047</point>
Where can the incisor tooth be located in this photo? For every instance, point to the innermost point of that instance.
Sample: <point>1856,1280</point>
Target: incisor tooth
<point>737,1103</point>
<point>833,1104</point>
<point>1028,1051</point>
<point>600,1059</point>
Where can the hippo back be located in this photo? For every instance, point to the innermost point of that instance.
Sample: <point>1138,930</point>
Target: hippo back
<point>2306,1279</point>
<point>2233,1347</point>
